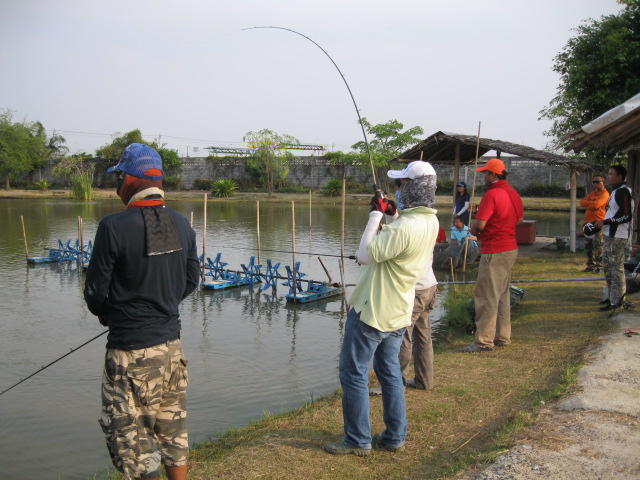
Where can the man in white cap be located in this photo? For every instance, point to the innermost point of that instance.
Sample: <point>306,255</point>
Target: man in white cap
<point>417,342</point>
<point>381,305</point>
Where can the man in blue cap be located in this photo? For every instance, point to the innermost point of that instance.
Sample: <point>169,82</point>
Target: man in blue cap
<point>144,263</point>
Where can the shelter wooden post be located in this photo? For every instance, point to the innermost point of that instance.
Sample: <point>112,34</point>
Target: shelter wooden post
<point>456,171</point>
<point>572,216</point>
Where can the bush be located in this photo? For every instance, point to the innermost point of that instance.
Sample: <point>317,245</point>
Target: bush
<point>201,184</point>
<point>333,188</point>
<point>43,185</point>
<point>223,187</point>
<point>82,185</point>
<point>290,188</point>
<point>456,305</point>
<point>173,183</point>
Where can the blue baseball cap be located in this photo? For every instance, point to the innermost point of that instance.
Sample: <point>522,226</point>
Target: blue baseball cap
<point>136,159</point>
<point>461,184</point>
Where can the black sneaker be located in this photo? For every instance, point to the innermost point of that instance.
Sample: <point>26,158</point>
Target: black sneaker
<point>610,306</point>
<point>376,442</point>
<point>588,270</point>
<point>606,301</point>
<point>342,448</point>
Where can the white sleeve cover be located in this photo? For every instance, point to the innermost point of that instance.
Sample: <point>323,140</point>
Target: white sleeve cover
<point>370,231</point>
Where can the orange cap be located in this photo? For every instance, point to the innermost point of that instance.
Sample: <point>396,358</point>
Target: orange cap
<point>494,165</point>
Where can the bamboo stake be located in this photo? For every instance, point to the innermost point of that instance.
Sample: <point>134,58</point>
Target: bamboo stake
<point>473,192</point>
<point>24,235</point>
<point>293,249</point>
<point>453,278</point>
<point>258,226</point>
<point>191,219</point>
<point>325,269</point>
<point>309,209</point>
<point>204,237</point>
<point>80,238</point>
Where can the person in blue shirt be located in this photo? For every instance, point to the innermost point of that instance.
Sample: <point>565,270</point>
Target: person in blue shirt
<point>460,235</point>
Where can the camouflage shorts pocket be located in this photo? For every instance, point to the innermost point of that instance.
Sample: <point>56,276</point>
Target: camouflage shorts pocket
<point>179,377</point>
<point>146,384</point>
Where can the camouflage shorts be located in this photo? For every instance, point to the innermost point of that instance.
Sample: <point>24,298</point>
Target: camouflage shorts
<point>144,415</point>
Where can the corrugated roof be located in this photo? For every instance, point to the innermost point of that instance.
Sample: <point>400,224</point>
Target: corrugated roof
<point>616,130</point>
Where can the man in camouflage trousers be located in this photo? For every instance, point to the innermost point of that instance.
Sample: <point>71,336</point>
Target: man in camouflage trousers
<point>144,263</point>
<point>617,229</point>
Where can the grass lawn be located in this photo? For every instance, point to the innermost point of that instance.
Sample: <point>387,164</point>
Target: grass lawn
<point>479,400</point>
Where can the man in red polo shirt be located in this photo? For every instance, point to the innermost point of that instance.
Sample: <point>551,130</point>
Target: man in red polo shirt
<point>498,214</point>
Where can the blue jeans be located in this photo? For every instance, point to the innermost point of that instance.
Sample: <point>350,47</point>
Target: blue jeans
<point>361,344</point>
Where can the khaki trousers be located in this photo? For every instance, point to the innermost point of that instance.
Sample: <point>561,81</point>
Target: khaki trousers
<point>417,340</point>
<point>492,300</point>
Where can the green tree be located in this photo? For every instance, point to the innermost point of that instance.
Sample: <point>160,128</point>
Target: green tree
<point>110,154</point>
<point>599,68</point>
<point>24,147</point>
<point>387,141</point>
<point>269,159</point>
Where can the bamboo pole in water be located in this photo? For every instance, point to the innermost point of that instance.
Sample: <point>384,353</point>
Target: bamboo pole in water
<point>24,236</point>
<point>258,227</point>
<point>293,249</point>
<point>204,237</point>
<point>81,240</point>
<point>473,192</point>
<point>191,219</point>
<point>325,269</point>
<point>309,209</point>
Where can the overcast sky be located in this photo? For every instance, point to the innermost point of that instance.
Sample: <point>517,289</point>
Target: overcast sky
<point>186,71</point>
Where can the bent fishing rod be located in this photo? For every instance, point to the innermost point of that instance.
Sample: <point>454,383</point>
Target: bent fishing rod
<point>44,367</point>
<point>366,142</point>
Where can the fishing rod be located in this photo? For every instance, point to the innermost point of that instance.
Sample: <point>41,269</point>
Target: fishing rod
<point>55,361</point>
<point>366,142</point>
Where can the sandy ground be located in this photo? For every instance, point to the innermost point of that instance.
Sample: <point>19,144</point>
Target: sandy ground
<point>593,434</point>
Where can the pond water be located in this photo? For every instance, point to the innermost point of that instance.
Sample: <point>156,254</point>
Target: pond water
<point>249,352</point>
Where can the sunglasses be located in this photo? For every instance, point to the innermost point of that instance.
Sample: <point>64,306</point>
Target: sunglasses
<point>597,181</point>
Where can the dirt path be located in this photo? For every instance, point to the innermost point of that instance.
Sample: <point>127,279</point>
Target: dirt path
<point>593,434</point>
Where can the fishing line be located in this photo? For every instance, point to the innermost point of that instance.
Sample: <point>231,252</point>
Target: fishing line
<point>345,82</point>
<point>532,280</point>
<point>55,361</point>
<point>351,257</point>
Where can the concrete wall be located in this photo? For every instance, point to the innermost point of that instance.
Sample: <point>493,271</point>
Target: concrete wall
<point>314,172</point>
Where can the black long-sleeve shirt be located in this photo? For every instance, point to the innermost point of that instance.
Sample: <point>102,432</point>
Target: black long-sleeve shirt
<point>139,294</point>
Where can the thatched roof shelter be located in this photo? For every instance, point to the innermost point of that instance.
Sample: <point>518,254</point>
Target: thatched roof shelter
<point>457,149</point>
<point>444,147</point>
